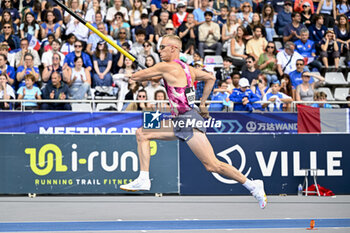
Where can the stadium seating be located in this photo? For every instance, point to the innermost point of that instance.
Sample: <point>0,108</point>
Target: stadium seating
<point>328,93</point>
<point>335,78</point>
<point>340,93</point>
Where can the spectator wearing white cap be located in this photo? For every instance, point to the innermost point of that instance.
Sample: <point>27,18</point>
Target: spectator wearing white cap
<point>243,97</point>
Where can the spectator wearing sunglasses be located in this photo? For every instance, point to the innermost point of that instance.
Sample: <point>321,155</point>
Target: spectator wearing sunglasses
<point>94,39</point>
<point>9,38</point>
<point>147,51</point>
<point>143,106</point>
<point>78,52</point>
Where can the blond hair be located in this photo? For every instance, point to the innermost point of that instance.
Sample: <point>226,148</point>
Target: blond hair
<point>174,39</point>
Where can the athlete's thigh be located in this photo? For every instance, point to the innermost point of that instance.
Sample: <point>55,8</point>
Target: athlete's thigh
<point>166,132</point>
<point>201,147</point>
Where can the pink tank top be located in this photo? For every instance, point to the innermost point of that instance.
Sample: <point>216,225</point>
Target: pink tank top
<point>177,95</point>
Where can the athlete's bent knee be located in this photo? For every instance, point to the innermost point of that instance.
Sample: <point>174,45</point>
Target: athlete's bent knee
<point>141,135</point>
<point>216,166</point>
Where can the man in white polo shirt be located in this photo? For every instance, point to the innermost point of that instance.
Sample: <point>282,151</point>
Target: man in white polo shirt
<point>286,59</point>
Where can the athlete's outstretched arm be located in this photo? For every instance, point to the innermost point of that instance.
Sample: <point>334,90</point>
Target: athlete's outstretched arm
<point>153,73</point>
<point>209,81</point>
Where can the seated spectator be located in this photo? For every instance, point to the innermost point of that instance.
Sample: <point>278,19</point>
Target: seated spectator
<point>147,27</point>
<point>137,47</point>
<point>35,10</point>
<point>286,86</point>
<point>188,33</point>
<point>250,72</point>
<point>256,21</point>
<point>68,46</point>
<point>305,91</point>
<point>123,37</point>
<point>80,80</point>
<point>151,89</point>
<point>55,67</point>
<point>50,27</point>
<point>306,14</point>
<point>347,105</point>
<point>317,32</point>
<point>47,42</point>
<point>224,12</point>
<point>46,58</point>
<point>199,11</point>
<point>155,5</point>
<point>236,50</point>
<point>243,97</point>
<point>320,96</point>
<point>4,49</point>
<point>219,94</point>
<point>267,63</point>
<point>306,48</point>
<point>111,12</point>
<point>245,17</point>
<point>91,13</point>
<point>279,100</point>
<point>27,68</point>
<point>256,46</point>
<point>73,5</point>
<point>159,29</point>
<point>226,70</point>
<point>102,65</point>
<point>299,4</point>
<point>29,92</point>
<point>118,23</point>
<point>197,59</point>
<point>6,92</point>
<point>56,90</point>
<point>200,84</point>
<point>286,59</point>
<point>52,6</point>
<point>9,37</point>
<point>133,87</point>
<point>342,33</point>
<point>136,12</point>
<point>330,50</point>
<point>7,18</point>
<point>78,48</point>
<point>103,8</point>
<point>156,18</point>
<point>260,86</point>
<point>80,31</point>
<point>269,20</point>
<point>209,35</point>
<point>181,15</point>
<point>29,26</point>
<point>292,31</point>
<point>147,51</point>
<point>284,18</point>
<point>229,30</point>
<point>140,106</point>
<point>8,70</point>
<point>295,76</point>
<point>162,107</point>
<point>150,61</point>
<point>343,7</point>
<point>98,20</point>
<point>278,5</point>
<point>94,39</point>
<point>19,56</point>
<point>328,9</point>
<point>234,81</point>
<point>8,6</point>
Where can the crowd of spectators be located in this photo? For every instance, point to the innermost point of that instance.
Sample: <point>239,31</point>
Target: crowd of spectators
<point>45,53</point>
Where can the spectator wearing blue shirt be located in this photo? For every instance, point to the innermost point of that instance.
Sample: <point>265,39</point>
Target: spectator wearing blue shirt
<point>236,5</point>
<point>199,12</point>
<point>27,68</point>
<point>292,31</point>
<point>295,76</point>
<point>317,32</point>
<point>78,52</point>
<point>29,92</point>
<point>7,69</point>
<point>278,5</point>
<point>243,97</point>
<point>321,96</point>
<point>219,94</point>
<point>306,48</point>
<point>278,100</point>
<point>7,5</point>
<point>8,36</point>
<point>284,18</point>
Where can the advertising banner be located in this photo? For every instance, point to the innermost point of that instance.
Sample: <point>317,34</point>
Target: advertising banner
<point>127,123</point>
<point>279,160</point>
<point>82,164</point>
